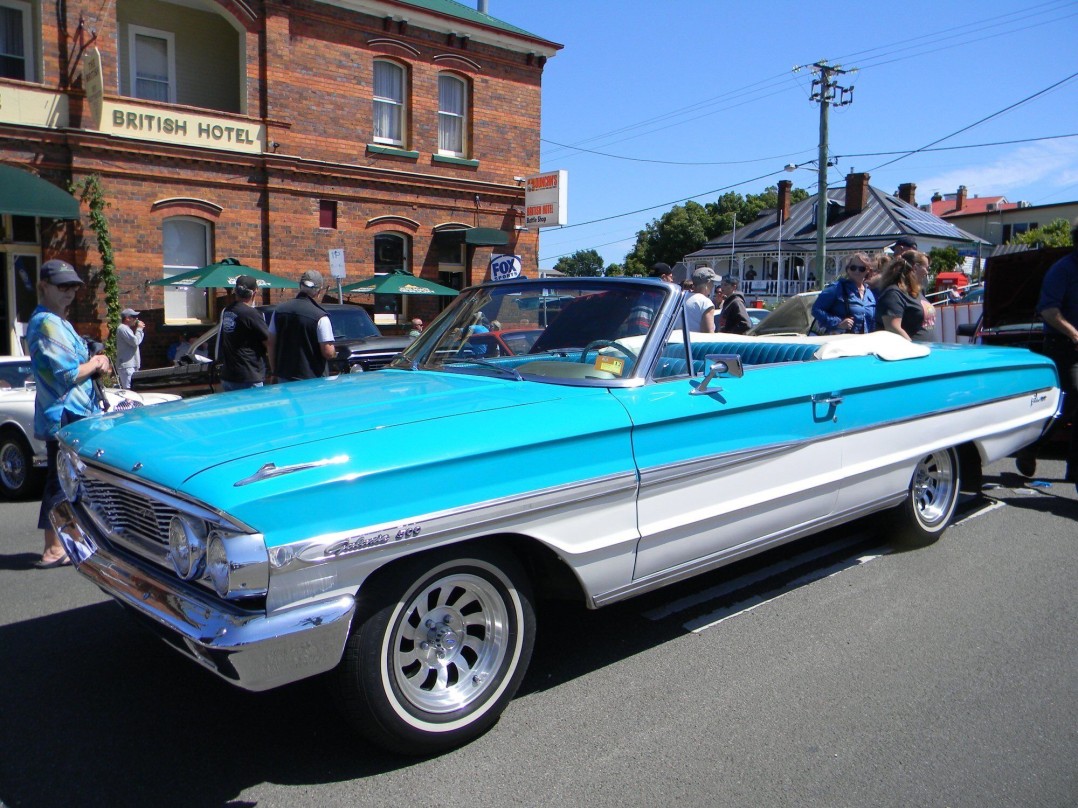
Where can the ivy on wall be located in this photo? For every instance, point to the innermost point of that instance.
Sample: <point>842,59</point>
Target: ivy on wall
<point>90,192</point>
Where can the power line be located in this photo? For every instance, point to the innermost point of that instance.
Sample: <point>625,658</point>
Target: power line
<point>978,123</point>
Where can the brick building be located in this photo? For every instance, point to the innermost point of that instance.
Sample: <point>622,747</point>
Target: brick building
<point>271,132</point>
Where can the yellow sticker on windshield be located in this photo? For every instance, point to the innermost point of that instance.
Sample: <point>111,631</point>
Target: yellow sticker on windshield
<point>611,364</point>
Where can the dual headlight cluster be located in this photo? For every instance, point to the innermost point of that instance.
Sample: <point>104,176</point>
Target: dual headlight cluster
<point>69,469</point>
<point>235,563</point>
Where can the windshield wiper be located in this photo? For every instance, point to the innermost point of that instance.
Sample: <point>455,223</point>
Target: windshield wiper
<point>511,372</point>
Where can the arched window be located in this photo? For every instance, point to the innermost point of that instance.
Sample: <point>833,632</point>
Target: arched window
<point>452,115</point>
<point>389,103</point>
<point>187,244</point>
<point>392,253</point>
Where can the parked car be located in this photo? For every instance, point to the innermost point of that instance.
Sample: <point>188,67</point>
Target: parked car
<point>397,527</point>
<point>22,456</point>
<point>360,347</point>
<point>792,316</point>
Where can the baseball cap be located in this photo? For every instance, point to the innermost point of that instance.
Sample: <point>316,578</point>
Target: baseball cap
<point>703,274</point>
<point>130,313</point>
<point>246,283</point>
<point>908,242</point>
<point>730,280</point>
<point>658,269</point>
<point>311,279</point>
<point>59,272</point>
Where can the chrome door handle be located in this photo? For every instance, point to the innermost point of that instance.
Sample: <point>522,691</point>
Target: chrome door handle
<point>831,399</point>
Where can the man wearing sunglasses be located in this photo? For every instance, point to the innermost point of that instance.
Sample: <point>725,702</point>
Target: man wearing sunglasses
<point>848,306</point>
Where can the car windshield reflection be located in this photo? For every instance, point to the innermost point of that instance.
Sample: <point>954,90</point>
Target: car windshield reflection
<point>579,329</point>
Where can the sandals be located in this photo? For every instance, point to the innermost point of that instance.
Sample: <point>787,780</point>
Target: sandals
<point>62,561</point>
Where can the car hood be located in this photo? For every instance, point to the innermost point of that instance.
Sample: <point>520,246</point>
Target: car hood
<point>1012,285</point>
<point>171,443</point>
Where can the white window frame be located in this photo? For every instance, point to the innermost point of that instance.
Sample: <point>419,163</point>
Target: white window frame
<point>133,32</point>
<point>190,301</point>
<point>28,41</point>
<point>400,105</point>
<point>461,117</point>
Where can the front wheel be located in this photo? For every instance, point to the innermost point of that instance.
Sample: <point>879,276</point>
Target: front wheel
<point>932,497</point>
<point>439,650</point>
<point>18,477</point>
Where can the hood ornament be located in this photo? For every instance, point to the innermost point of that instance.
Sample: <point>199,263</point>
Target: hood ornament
<point>273,470</point>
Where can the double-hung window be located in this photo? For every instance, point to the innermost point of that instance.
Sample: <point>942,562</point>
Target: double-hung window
<point>388,103</point>
<point>186,246</point>
<point>452,115</point>
<point>153,64</point>
<point>16,40</point>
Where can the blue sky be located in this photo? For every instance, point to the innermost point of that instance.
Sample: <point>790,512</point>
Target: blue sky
<point>650,103</point>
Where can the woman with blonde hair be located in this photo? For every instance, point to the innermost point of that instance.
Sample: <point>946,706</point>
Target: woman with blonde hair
<point>848,306</point>
<point>898,306</point>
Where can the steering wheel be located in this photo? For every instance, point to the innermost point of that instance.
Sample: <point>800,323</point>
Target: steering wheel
<point>605,343</point>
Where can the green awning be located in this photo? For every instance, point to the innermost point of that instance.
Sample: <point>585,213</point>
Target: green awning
<point>486,237</point>
<point>24,194</point>
<point>476,236</point>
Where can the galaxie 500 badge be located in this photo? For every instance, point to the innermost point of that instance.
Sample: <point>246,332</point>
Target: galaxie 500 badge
<point>354,544</point>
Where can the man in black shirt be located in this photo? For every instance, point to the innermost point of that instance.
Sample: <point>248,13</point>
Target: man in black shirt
<point>301,335</point>
<point>242,339</point>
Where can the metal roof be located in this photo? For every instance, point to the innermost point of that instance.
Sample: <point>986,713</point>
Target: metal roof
<point>885,217</point>
<point>459,10</point>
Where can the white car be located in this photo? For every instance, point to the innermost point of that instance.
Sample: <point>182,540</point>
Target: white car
<point>22,456</point>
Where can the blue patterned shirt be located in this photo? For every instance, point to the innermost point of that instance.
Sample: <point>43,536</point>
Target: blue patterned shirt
<point>56,352</point>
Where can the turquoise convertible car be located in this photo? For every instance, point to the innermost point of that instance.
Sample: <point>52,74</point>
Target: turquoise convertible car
<point>397,526</point>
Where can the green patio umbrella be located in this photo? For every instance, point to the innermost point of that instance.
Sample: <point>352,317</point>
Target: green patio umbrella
<point>398,283</point>
<point>223,274</point>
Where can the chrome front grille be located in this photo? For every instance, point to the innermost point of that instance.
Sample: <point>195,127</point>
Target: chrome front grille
<point>128,514</point>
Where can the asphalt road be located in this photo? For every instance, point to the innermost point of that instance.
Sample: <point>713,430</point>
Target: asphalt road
<point>842,672</point>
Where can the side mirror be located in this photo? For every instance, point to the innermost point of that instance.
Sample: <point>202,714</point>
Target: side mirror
<point>721,364</point>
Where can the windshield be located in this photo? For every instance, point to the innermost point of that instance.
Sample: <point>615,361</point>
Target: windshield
<point>15,374</point>
<point>582,329</point>
<point>352,322</point>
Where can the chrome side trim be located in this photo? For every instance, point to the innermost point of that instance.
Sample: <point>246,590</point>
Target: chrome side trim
<point>728,556</point>
<point>699,465</point>
<point>250,649</point>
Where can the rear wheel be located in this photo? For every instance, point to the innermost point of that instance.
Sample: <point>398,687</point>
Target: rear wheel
<point>932,497</point>
<point>18,477</point>
<point>439,650</point>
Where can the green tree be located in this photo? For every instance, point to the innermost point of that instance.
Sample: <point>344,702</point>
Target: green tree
<point>1057,233</point>
<point>943,259</point>
<point>582,263</point>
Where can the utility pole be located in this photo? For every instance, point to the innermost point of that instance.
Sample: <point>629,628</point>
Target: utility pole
<point>823,91</point>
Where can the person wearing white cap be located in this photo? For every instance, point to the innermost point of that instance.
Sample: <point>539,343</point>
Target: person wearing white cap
<point>129,337</point>
<point>699,308</point>
<point>301,335</point>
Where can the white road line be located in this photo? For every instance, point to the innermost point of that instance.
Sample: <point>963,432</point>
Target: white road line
<point>994,505</point>
<point>704,622</point>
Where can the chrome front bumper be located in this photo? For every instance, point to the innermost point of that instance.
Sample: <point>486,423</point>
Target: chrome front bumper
<point>253,650</point>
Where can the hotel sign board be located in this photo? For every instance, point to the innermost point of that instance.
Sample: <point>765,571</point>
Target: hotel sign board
<point>546,199</point>
<point>168,125</point>
<point>93,84</point>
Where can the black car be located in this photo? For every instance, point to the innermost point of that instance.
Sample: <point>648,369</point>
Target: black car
<point>360,347</point>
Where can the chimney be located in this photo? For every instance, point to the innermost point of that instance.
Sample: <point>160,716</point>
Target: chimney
<point>784,199</point>
<point>856,193</point>
<point>482,7</point>
<point>960,199</point>
<point>907,192</point>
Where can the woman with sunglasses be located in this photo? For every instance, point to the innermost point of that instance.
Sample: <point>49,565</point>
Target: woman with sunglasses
<point>63,373</point>
<point>848,306</point>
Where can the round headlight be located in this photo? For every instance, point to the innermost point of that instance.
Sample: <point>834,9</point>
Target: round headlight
<point>217,566</point>
<point>67,469</point>
<point>186,547</point>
